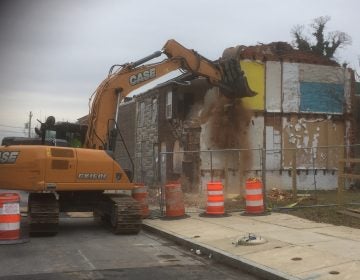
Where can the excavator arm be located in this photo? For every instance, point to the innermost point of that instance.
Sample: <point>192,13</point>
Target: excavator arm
<point>225,74</point>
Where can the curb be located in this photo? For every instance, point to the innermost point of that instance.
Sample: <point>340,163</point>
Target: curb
<point>224,257</point>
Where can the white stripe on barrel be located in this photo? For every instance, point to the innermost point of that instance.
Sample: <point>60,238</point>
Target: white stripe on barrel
<point>9,216</point>
<point>215,199</point>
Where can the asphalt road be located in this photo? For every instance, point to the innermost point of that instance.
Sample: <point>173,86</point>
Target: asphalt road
<point>84,250</point>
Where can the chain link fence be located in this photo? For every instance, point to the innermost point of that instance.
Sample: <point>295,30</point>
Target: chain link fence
<point>292,179</point>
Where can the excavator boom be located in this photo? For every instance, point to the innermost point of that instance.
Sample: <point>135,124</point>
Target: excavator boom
<point>225,73</point>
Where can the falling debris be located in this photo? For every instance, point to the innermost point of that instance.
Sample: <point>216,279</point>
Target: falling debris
<point>228,126</point>
<point>350,213</point>
<point>229,122</point>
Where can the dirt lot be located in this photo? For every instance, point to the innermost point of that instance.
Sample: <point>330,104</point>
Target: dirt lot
<point>346,215</point>
<point>320,206</point>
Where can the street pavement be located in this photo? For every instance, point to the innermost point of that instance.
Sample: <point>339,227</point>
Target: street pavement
<point>84,250</point>
<point>295,248</point>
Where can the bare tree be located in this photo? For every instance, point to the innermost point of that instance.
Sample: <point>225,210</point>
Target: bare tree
<point>336,39</point>
<point>323,46</point>
<point>301,42</point>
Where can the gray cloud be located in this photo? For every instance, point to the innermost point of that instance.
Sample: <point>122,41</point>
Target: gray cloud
<point>53,54</point>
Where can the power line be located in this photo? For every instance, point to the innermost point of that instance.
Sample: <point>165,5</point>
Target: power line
<point>11,131</point>
<point>10,126</point>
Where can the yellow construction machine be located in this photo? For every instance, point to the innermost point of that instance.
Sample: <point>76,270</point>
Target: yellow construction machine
<point>61,179</point>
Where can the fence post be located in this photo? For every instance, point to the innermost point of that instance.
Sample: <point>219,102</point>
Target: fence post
<point>340,193</point>
<point>211,167</point>
<point>293,173</point>
<point>263,175</point>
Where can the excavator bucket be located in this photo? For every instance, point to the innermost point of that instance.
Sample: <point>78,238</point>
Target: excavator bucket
<point>234,79</point>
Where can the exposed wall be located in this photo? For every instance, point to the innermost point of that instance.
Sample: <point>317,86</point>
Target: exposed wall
<point>298,106</point>
<point>305,110</point>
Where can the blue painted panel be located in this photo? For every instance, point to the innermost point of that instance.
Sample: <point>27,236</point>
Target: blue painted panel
<point>321,97</point>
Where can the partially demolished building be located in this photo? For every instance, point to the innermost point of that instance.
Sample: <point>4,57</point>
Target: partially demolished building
<point>301,119</point>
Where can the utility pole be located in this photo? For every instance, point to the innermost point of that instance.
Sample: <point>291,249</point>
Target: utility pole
<point>30,116</point>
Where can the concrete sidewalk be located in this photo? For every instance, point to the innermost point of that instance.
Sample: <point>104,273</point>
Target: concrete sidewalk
<point>295,249</point>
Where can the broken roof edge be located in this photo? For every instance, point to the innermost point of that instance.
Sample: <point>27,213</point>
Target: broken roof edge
<point>277,51</point>
<point>179,80</point>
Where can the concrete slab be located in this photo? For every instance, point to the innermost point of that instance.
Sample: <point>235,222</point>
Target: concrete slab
<point>346,271</point>
<point>226,244</point>
<point>289,221</point>
<point>298,237</point>
<point>294,259</point>
<point>340,231</point>
<point>296,248</point>
<point>191,227</point>
<point>242,224</point>
<point>210,234</point>
<point>347,249</point>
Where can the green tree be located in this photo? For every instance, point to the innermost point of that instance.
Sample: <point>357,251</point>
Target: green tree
<point>325,44</point>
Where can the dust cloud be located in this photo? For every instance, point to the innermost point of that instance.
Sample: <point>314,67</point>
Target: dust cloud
<point>228,122</point>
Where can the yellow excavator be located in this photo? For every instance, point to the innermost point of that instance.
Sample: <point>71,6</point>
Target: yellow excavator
<point>61,179</point>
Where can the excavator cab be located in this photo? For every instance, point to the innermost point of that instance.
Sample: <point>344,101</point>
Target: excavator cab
<point>55,133</point>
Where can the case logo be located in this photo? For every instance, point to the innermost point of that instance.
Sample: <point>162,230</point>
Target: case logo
<point>142,76</point>
<point>8,156</point>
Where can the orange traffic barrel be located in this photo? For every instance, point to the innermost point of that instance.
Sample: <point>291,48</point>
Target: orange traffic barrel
<point>174,200</point>
<point>9,216</point>
<point>215,199</point>
<point>140,193</point>
<point>254,197</point>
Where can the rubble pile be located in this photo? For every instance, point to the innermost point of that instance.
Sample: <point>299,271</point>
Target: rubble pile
<point>279,195</point>
<point>281,51</point>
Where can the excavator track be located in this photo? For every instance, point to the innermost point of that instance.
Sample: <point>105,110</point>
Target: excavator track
<point>43,214</point>
<point>121,212</point>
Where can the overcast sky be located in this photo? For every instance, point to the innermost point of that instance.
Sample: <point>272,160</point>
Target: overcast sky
<point>53,54</point>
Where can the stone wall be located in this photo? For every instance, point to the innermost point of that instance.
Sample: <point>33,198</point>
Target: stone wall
<point>146,133</point>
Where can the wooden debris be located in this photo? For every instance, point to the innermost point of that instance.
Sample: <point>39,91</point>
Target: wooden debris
<point>349,213</point>
<point>353,210</point>
<point>279,195</point>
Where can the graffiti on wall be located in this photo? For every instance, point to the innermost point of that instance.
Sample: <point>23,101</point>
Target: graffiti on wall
<point>312,138</point>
